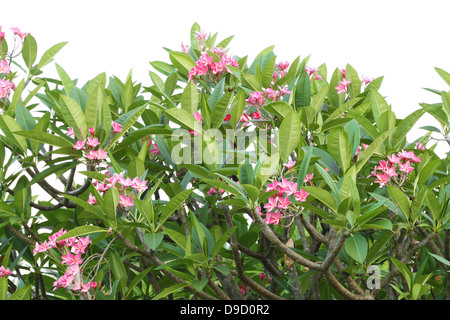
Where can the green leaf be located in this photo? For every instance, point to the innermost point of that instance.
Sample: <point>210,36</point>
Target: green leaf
<point>23,293</point>
<point>173,205</point>
<point>356,247</point>
<point>9,125</point>
<point>329,181</point>
<point>404,126</point>
<point>22,197</point>
<point>29,51</point>
<point>82,231</point>
<point>379,104</point>
<point>323,196</point>
<point>48,55</point>
<point>46,138</point>
<point>250,81</point>
<point>444,75</point>
<point>153,240</point>
<point>183,118</point>
<point>403,270</point>
<point>354,88</point>
<point>246,173</point>
<point>65,79</point>
<point>88,207</point>
<point>279,108</point>
<point>401,199</point>
<point>170,290</point>
<point>17,96</point>
<point>303,91</point>
<point>339,147</point>
<point>365,155</point>
<point>127,120</point>
<point>73,114</point>
<point>190,98</point>
<point>110,203</point>
<point>58,169</point>
<point>289,135</point>
<point>4,288</point>
<point>220,110</point>
<point>182,61</point>
<point>303,169</point>
<point>237,109</point>
<point>118,270</point>
<point>94,107</point>
<point>222,240</point>
<point>179,238</point>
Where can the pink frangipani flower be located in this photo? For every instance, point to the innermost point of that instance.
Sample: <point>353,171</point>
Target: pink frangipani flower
<point>126,201</point>
<point>79,145</point>
<point>117,127</point>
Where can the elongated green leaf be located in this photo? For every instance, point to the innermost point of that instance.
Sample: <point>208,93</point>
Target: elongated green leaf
<point>82,231</point>
<point>23,293</point>
<point>399,198</point>
<point>365,155</point>
<point>303,91</point>
<point>17,96</point>
<point>110,203</point>
<point>183,118</point>
<point>289,135</point>
<point>354,88</point>
<point>177,237</point>
<point>220,110</point>
<point>88,207</point>
<point>329,181</point>
<point>73,114</point>
<point>190,98</point>
<point>379,104</point>
<point>94,107</point>
<point>303,169</point>
<point>9,125</point>
<point>356,247</point>
<point>48,55</point>
<point>280,108</point>
<point>444,75</point>
<point>46,138</point>
<point>182,61</point>
<point>172,205</point>
<point>153,240</point>
<point>338,145</point>
<point>404,126</point>
<point>128,120</point>
<point>65,79</point>
<point>323,196</point>
<point>250,81</point>
<point>169,290</point>
<point>222,240</point>
<point>29,51</point>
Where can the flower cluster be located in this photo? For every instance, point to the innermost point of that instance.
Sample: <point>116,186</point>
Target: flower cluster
<point>4,272</point>
<point>126,187</point>
<point>280,70</point>
<point>343,86</point>
<point>71,250</point>
<point>278,204</point>
<point>313,72</point>
<point>258,99</point>
<point>397,166</point>
<point>208,66</point>
<point>5,88</point>
<point>88,145</point>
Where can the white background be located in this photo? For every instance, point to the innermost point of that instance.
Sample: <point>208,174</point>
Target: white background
<point>400,40</point>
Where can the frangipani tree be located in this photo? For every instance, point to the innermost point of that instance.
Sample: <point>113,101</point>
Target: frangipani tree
<point>222,179</point>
